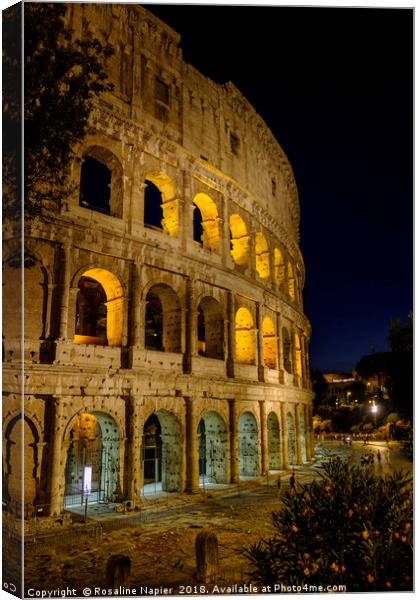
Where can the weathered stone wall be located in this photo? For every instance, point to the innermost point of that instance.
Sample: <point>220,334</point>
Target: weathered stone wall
<point>202,145</point>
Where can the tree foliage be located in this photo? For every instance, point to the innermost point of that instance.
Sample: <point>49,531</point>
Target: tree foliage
<point>62,78</point>
<point>350,528</point>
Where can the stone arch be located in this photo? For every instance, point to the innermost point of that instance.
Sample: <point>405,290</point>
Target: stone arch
<point>22,439</point>
<point>287,362</point>
<point>269,343</point>
<point>291,438</point>
<point>212,432</point>
<point>244,337</point>
<point>273,440</point>
<point>239,240</point>
<point>248,445</point>
<point>279,268</point>
<point>291,282</point>
<point>302,437</point>
<point>163,323</point>
<point>94,441</point>
<point>161,206</point>
<point>101,181</point>
<point>161,453</point>
<point>99,308</point>
<point>262,256</point>
<point>298,356</point>
<point>210,328</point>
<point>209,222</point>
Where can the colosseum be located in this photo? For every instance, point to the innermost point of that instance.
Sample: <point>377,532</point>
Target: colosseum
<point>165,344</point>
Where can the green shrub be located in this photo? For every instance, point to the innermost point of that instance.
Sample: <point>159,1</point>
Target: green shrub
<point>351,527</point>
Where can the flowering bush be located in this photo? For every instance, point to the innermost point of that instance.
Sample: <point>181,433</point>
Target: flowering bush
<point>350,528</point>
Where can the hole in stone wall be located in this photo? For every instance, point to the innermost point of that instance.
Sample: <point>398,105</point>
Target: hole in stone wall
<point>153,214</point>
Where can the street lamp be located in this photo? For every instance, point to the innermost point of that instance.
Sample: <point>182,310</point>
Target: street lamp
<point>374,411</point>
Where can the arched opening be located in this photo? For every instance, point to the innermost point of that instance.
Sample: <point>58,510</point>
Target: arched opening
<point>153,213</point>
<point>273,440</point>
<point>302,437</point>
<point>239,240</point>
<point>279,268</point>
<point>93,461</point>
<point>244,337</point>
<point>161,206</point>
<point>210,328</point>
<point>206,222</point>
<point>262,256</point>
<point>162,319</point>
<point>99,309</point>
<point>298,356</point>
<point>20,465</point>
<point>212,435</point>
<point>291,281</point>
<point>161,453</point>
<point>287,362</point>
<point>101,182</point>
<point>291,438</point>
<point>269,343</point>
<point>248,446</point>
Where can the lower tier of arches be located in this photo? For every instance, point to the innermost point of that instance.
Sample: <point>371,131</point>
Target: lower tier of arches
<point>123,448</point>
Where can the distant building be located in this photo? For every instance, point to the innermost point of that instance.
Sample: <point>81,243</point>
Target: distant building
<point>337,386</point>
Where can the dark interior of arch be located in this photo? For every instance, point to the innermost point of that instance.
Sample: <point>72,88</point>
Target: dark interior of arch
<point>153,213</point>
<point>95,185</point>
<point>91,310</point>
<point>198,225</point>
<point>154,323</point>
<point>152,450</point>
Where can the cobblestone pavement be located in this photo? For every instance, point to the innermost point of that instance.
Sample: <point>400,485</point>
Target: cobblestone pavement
<point>162,549</point>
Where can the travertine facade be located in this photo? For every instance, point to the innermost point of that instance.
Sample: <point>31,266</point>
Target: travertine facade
<point>165,340</point>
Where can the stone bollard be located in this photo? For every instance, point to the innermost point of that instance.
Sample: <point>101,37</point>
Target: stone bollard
<point>207,556</point>
<point>118,571</point>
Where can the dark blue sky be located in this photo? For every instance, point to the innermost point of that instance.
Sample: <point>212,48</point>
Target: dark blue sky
<point>335,86</point>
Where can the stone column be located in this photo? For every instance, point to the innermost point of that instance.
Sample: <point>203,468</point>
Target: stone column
<point>193,485</point>
<point>231,334</point>
<point>58,459</point>
<point>190,325</point>
<point>234,450</point>
<point>65,267</point>
<point>260,341</point>
<point>284,437</point>
<point>71,324</point>
<point>187,210</point>
<point>264,439</point>
<point>297,434</point>
<point>133,476</point>
<point>137,324</point>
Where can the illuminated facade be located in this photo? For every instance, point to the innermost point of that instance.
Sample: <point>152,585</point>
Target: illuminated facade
<point>165,340</point>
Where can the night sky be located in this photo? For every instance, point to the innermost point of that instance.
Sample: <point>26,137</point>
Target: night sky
<point>335,87</point>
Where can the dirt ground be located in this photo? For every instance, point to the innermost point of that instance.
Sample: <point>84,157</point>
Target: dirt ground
<point>162,551</point>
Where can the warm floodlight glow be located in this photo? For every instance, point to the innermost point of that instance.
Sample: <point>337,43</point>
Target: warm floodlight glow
<point>279,268</point>
<point>239,240</point>
<point>270,343</point>
<point>245,337</point>
<point>262,256</point>
<point>210,221</point>
<point>170,203</point>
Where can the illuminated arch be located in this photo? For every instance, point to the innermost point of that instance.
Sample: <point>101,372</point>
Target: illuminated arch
<point>165,201</point>
<point>100,309</point>
<point>248,445</point>
<point>161,453</point>
<point>262,256</point>
<point>273,442</point>
<point>244,337</point>
<point>209,221</point>
<point>279,268</point>
<point>95,441</point>
<point>213,436</point>
<point>239,240</point>
<point>298,356</point>
<point>291,281</point>
<point>269,343</point>
<point>291,438</point>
